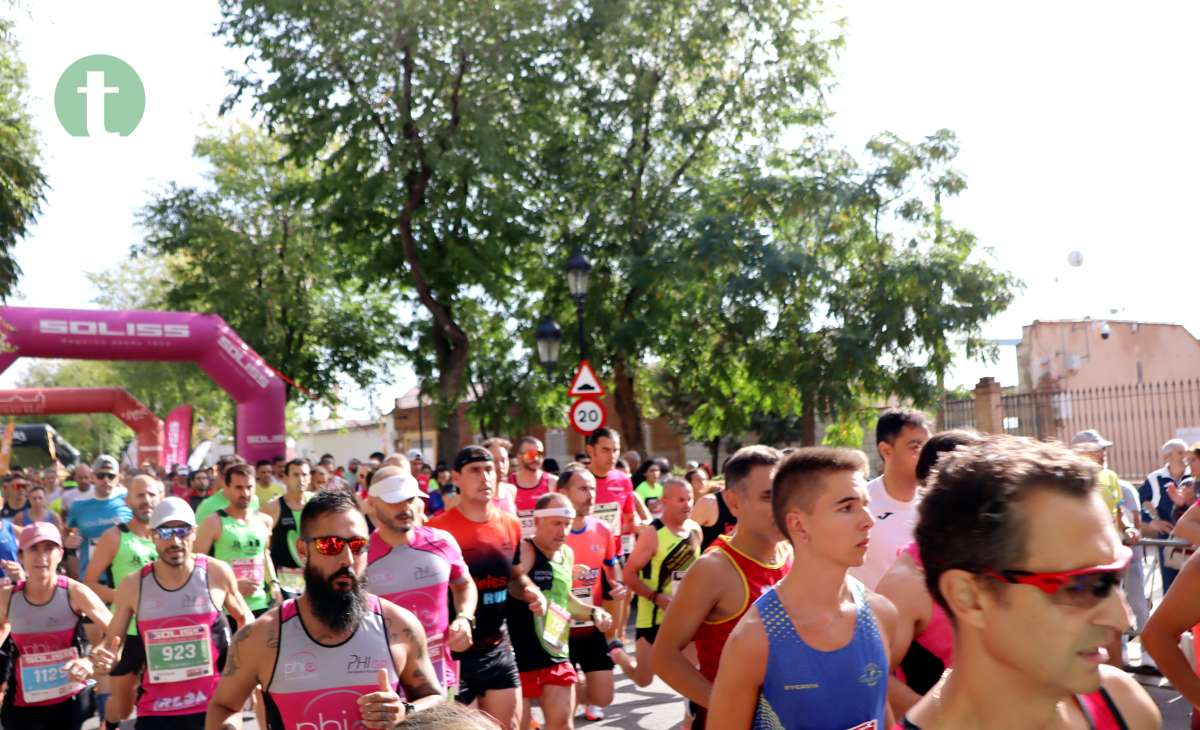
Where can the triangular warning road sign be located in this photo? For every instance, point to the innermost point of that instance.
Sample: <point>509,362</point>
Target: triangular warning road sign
<point>585,383</point>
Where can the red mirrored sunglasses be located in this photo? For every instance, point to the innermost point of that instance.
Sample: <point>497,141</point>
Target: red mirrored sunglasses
<point>334,545</point>
<point>1083,587</point>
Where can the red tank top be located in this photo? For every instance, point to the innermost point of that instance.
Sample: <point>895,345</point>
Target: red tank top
<point>757,578</point>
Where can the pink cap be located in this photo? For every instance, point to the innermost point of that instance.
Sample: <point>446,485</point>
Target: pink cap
<point>39,532</point>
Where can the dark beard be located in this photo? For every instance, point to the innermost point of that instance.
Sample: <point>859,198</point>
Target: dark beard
<point>339,610</point>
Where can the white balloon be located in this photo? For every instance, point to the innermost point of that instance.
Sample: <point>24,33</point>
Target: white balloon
<point>1075,258</point>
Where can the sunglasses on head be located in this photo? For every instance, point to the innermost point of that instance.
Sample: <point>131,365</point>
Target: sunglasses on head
<point>170,533</point>
<point>105,475</point>
<point>1083,588</point>
<point>334,545</point>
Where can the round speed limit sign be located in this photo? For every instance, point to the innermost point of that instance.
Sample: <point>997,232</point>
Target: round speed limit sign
<point>587,415</point>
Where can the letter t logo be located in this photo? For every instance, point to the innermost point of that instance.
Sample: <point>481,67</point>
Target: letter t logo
<point>94,94</point>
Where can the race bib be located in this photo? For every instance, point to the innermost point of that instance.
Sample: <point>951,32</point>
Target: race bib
<point>44,676</point>
<point>248,569</point>
<point>175,655</point>
<point>291,579</point>
<point>610,514</point>
<point>526,518</point>
<point>557,628</point>
<point>583,593</point>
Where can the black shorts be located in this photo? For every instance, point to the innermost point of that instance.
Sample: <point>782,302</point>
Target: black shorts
<point>649,634</point>
<point>67,715</point>
<point>589,651</point>
<point>133,657</point>
<point>170,722</point>
<point>480,672</point>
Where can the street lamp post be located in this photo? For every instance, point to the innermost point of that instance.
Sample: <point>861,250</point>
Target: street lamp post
<point>579,273</point>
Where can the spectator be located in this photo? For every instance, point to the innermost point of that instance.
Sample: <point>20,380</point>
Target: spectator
<point>1160,494</point>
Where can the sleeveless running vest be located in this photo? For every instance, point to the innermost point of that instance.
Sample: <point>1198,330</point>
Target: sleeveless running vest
<point>185,638</point>
<point>417,576</point>
<point>25,519</point>
<point>931,651</point>
<point>674,556</point>
<point>1098,709</point>
<point>756,578</point>
<point>724,525</point>
<point>45,639</point>
<point>541,641</point>
<point>526,497</point>
<point>133,552</point>
<point>283,548</point>
<point>241,545</point>
<point>807,689</point>
<point>316,687</point>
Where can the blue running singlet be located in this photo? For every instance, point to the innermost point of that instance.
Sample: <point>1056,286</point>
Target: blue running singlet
<point>809,689</point>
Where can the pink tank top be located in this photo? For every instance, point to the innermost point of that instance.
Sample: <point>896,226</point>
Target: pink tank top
<point>417,577</point>
<point>938,636</point>
<point>504,498</point>
<point>318,686</point>
<point>44,635</point>
<point>527,497</point>
<point>184,637</point>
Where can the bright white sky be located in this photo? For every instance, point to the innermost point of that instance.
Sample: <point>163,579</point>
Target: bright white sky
<point>1072,116</point>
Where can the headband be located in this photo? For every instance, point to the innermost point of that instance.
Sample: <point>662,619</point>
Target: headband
<point>567,512</point>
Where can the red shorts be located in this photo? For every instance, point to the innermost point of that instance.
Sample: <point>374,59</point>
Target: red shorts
<point>561,675</point>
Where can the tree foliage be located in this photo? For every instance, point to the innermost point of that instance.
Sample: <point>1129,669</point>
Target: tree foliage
<point>253,249</point>
<point>424,118</point>
<point>22,183</point>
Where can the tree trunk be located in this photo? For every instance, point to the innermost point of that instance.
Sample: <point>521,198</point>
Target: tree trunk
<point>714,450</point>
<point>633,436</point>
<point>808,421</point>
<point>452,358</point>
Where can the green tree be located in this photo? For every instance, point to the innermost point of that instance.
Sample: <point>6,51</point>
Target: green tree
<point>424,118</point>
<point>254,250</point>
<point>833,285</point>
<point>22,183</point>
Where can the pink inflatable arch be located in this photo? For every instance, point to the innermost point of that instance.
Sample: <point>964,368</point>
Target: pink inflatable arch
<point>117,401</point>
<point>82,334</point>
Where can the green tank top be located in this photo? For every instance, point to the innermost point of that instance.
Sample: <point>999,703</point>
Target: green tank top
<point>674,556</point>
<point>241,545</point>
<point>540,641</point>
<point>132,553</point>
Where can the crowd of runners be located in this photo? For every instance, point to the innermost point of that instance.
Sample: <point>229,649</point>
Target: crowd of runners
<point>975,583</point>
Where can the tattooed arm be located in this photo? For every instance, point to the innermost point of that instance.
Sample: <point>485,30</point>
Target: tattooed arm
<point>421,684</point>
<point>251,655</point>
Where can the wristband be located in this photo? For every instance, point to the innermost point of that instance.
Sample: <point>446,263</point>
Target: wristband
<point>470,619</point>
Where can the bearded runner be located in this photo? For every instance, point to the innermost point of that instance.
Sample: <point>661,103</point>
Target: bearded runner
<point>336,655</point>
<point>178,600</point>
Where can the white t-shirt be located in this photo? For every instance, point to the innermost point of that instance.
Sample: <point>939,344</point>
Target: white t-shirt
<point>894,523</point>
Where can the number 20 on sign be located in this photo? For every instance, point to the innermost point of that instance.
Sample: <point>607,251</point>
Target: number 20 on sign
<point>587,415</point>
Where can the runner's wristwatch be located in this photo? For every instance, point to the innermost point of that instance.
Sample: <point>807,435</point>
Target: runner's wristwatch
<point>470,619</point>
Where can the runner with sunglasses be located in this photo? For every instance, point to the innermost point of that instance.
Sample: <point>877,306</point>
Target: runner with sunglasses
<point>418,567</point>
<point>184,637</point>
<point>335,656</point>
<point>530,480</point>
<point>88,519</point>
<point>122,550</point>
<point>1020,550</point>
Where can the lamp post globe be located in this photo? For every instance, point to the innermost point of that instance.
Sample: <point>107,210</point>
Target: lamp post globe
<point>549,341</point>
<point>579,272</point>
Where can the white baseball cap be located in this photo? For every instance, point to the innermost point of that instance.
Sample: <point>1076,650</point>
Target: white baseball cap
<point>172,509</point>
<point>394,490</point>
<point>415,455</point>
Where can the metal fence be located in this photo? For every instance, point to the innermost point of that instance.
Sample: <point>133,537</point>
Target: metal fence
<point>1136,418</point>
